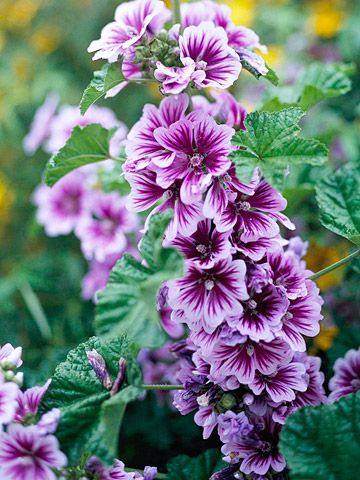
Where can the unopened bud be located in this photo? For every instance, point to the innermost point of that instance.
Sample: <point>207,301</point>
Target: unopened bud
<point>203,400</point>
<point>120,379</point>
<point>228,473</point>
<point>228,401</point>
<point>99,366</point>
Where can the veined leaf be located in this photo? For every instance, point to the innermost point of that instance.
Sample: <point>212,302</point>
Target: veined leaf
<point>198,468</point>
<point>324,442</point>
<point>338,197</point>
<point>128,303</point>
<point>86,145</point>
<point>85,403</point>
<point>271,141</point>
<point>104,80</point>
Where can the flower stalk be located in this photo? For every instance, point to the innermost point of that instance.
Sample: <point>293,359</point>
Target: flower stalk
<point>336,265</point>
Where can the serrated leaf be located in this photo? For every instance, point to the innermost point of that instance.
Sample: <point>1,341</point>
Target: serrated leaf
<point>271,141</point>
<point>104,80</point>
<point>318,82</point>
<point>86,145</point>
<point>324,442</point>
<point>199,468</point>
<point>128,303</point>
<point>79,394</point>
<point>338,197</point>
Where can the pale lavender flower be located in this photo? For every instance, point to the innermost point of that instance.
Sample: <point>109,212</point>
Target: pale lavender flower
<point>346,378</point>
<point>29,401</point>
<point>97,277</point>
<point>60,208</point>
<point>133,21</point>
<point>41,124</point>
<point>232,426</point>
<point>10,356</point>
<point>8,400</point>
<point>27,454</point>
<point>103,230</point>
<point>49,421</point>
<point>206,417</point>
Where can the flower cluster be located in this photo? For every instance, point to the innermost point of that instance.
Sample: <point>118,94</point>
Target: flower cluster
<point>205,50</point>
<point>346,379</point>
<point>28,448</point>
<point>246,296</point>
<point>76,204</point>
<point>117,471</point>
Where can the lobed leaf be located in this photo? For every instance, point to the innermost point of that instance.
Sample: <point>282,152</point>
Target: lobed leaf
<point>199,468</point>
<point>86,145</point>
<point>85,404</point>
<point>338,197</point>
<point>324,442</point>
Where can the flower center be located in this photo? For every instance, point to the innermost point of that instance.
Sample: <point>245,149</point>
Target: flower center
<point>196,160</point>
<point>242,206</point>
<point>201,65</point>
<point>287,316</point>
<point>250,350</point>
<point>209,284</point>
<point>251,304</point>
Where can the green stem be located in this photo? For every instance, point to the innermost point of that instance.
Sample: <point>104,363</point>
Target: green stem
<point>335,265</point>
<point>162,387</point>
<point>33,304</point>
<point>177,11</point>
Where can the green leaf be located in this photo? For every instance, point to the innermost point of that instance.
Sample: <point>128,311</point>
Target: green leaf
<point>128,303</point>
<point>324,442</point>
<point>104,80</point>
<point>318,82</point>
<point>338,197</point>
<point>271,141</point>
<point>85,404</point>
<point>86,145</point>
<point>199,468</point>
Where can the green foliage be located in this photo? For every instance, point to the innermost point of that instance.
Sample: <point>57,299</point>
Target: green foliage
<point>338,197</point>
<point>104,80</point>
<point>127,304</point>
<point>317,82</point>
<point>271,74</point>
<point>324,442</point>
<point>86,145</point>
<point>90,417</point>
<point>199,468</point>
<point>271,141</point>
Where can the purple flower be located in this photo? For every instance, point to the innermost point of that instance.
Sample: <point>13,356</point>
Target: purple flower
<point>201,150</point>
<point>102,231</point>
<point>145,192</point>
<point>142,148</point>
<point>204,247</point>
<point>245,357</point>
<point>10,356</point>
<point>254,215</point>
<point>259,451</point>
<point>302,318</point>
<point>232,426</point>
<point>206,417</point>
<point>97,277</point>
<point>48,422</point>
<point>288,273</point>
<point>98,364</point>
<point>29,401</point>
<point>346,379</point>
<point>133,20</point>
<point>117,472</point>
<point>41,124</point>
<point>69,117</point>
<point>208,46</point>
<point>175,79</point>
<point>207,296</point>
<point>8,400</point>
<point>255,250</point>
<point>261,315</point>
<point>59,209</point>
<point>282,384</point>
<point>25,454</point>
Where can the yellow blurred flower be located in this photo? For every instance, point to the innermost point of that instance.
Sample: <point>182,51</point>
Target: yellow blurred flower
<point>327,17</point>
<point>325,339</point>
<point>45,40</point>
<point>18,13</point>
<point>242,11</point>
<point>275,56</point>
<point>319,257</point>
<point>22,66</point>
<point>2,41</point>
<point>6,198</point>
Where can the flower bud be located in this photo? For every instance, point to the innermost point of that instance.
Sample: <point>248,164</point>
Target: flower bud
<point>98,364</point>
<point>119,380</point>
<point>227,401</point>
<point>228,473</point>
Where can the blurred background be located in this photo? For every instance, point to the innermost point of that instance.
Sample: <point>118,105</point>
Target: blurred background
<point>43,49</point>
